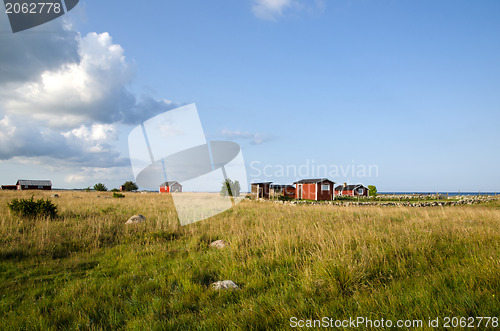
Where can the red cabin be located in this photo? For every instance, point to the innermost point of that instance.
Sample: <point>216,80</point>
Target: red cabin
<point>351,190</point>
<point>170,187</point>
<point>23,184</point>
<point>314,189</point>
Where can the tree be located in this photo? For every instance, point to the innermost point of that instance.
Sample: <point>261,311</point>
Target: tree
<point>372,190</point>
<point>230,188</point>
<point>100,187</point>
<point>130,186</point>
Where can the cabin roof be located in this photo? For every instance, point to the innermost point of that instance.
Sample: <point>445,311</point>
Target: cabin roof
<point>313,181</point>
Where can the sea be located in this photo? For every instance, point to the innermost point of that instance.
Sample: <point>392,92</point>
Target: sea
<point>441,193</point>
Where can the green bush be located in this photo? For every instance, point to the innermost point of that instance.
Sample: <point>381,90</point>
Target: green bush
<point>118,195</point>
<point>100,187</point>
<point>115,190</point>
<point>284,198</point>
<point>32,208</point>
<point>130,186</point>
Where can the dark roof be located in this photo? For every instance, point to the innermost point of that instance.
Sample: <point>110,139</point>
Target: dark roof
<point>349,187</point>
<point>34,182</point>
<point>261,183</point>
<point>281,186</point>
<point>170,183</point>
<point>313,181</point>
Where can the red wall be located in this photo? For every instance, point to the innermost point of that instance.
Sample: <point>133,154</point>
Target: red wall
<point>289,192</point>
<point>33,187</point>
<point>164,189</point>
<point>325,195</point>
<point>352,193</point>
<point>309,192</point>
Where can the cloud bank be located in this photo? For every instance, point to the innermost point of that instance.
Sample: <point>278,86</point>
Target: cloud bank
<point>64,96</point>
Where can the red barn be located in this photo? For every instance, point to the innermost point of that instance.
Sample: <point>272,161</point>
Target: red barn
<point>23,184</point>
<point>351,190</point>
<point>170,187</point>
<point>314,189</point>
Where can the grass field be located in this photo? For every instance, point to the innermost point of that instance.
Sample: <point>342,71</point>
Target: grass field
<point>88,270</point>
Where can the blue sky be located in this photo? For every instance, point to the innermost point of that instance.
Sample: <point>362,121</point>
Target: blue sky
<point>408,91</point>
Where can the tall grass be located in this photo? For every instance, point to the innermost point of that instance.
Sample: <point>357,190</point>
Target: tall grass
<point>87,269</point>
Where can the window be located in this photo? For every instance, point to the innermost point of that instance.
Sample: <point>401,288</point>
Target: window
<point>360,190</point>
<point>325,187</point>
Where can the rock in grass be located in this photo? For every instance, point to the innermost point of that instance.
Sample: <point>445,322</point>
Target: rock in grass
<point>55,195</point>
<point>136,219</point>
<point>220,244</point>
<point>224,285</point>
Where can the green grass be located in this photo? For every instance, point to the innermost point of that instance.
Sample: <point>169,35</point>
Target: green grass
<point>88,270</point>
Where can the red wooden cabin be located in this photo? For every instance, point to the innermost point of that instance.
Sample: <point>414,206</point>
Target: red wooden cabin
<point>170,187</point>
<point>314,189</point>
<point>24,184</point>
<point>351,190</point>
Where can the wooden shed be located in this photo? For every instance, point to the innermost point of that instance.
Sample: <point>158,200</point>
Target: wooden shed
<point>9,187</point>
<point>27,184</point>
<point>314,189</point>
<point>170,187</point>
<point>351,190</point>
<point>260,190</point>
<point>282,190</point>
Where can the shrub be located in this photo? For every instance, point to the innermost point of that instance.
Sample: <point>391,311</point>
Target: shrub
<point>284,198</point>
<point>230,188</point>
<point>118,195</point>
<point>115,190</point>
<point>100,187</point>
<point>372,190</point>
<point>32,208</point>
<point>130,186</point>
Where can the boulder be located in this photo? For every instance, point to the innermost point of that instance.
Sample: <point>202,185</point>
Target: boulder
<point>55,195</point>
<point>224,285</point>
<point>220,244</point>
<point>136,219</point>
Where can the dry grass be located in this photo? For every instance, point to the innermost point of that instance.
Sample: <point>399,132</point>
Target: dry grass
<point>87,269</point>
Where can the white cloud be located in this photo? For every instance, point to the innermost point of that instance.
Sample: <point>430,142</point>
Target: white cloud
<point>270,9</point>
<point>92,88</point>
<point>94,133</point>
<point>64,96</point>
<point>254,138</point>
<point>85,145</point>
<point>91,175</point>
